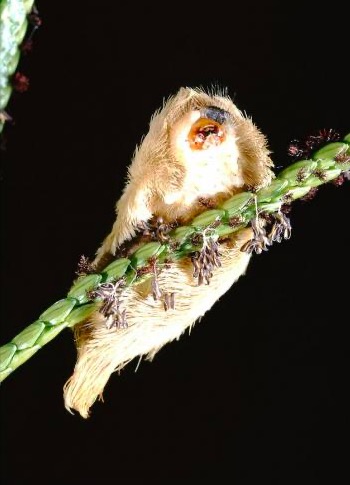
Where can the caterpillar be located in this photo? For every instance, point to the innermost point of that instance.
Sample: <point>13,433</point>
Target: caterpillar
<point>199,151</point>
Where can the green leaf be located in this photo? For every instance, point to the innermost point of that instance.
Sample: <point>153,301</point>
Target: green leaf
<point>29,335</point>
<point>347,138</point>
<point>59,311</point>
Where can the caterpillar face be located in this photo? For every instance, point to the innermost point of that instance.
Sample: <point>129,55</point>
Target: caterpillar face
<point>204,142</point>
<point>208,130</point>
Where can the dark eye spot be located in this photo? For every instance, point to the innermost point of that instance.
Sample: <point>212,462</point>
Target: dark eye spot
<point>216,114</point>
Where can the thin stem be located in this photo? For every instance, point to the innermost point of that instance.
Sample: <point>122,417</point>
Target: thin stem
<point>292,183</point>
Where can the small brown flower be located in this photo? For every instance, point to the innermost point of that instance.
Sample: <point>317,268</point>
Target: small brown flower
<point>301,175</point>
<point>20,82</point>
<point>321,174</point>
<point>109,293</point>
<point>27,46</point>
<point>205,260</point>
<point>85,266</point>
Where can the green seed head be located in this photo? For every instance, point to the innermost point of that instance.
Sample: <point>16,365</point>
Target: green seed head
<point>270,206</point>
<point>272,191</point>
<point>50,333</point>
<point>83,285</point>
<point>29,335</point>
<point>330,151</point>
<point>59,311</point>
<point>80,314</point>
<point>293,172</point>
<point>116,270</point>
<point>325,164</point>
<point>314,181</point>
<point>208,217</point>
<point>236,204</point>
<point>22,355</point>
<point>145,252</point>
<point>6,353</point>
<point>180,234</point>
<point>225,229</point>
<point>298,192</point>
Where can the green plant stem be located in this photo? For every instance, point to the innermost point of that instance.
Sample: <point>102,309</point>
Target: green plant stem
<point>13,27</point>
<point>292,183</point>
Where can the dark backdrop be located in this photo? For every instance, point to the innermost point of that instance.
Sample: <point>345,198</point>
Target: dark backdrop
<point>257,392</point>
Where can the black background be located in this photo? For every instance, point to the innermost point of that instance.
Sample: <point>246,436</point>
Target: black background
<point>258,391</point>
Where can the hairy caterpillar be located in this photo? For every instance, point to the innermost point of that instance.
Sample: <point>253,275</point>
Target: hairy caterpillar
<point>199,151</point>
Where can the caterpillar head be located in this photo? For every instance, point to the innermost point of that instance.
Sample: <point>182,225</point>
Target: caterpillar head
<point>200,145</point>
